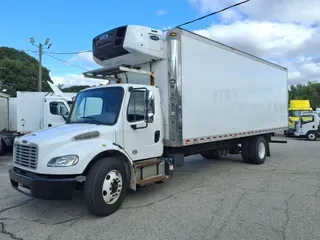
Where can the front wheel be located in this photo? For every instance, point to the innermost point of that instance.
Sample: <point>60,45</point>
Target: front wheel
<point>105,186</point>
<point>311,136</point>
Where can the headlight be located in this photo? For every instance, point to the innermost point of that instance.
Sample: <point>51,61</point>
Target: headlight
<point>63,161</point>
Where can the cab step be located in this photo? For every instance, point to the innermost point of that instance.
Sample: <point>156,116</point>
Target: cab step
<point>151,171</point>
<point>146,163</point>
<point>150,180</point>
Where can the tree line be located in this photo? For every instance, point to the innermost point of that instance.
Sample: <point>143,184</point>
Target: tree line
<point>309,91</point>
<point>19,72</point>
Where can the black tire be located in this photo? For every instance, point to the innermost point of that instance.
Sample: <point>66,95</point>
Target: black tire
<point>94,182</point>
<point>214,154</point>
<point>245,151</point>
<point>254,150</point>
<point>312,136</point>
<point>3,147</point>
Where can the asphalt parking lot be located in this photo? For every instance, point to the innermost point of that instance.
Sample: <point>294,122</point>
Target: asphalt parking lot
<point>207,199</point>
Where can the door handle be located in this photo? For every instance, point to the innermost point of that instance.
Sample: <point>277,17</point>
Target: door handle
<point>49,125</point>
<point>156,136</point>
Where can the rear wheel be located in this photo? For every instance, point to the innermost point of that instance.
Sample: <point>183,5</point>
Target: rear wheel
<point>245,151</point>
<point>105,186</point>
<point>254,150</point>
<point>258,150</point>
<point>213,154</point>
<point>2,147</point>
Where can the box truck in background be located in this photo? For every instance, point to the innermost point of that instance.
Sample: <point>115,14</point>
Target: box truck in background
<point>6,138</point>
<point>176,94</point>
<point>296,109</point>
<point>31,111</point>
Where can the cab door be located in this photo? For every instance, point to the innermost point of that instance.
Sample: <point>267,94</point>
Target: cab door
<point>143,136</point>
<point>56,111</point>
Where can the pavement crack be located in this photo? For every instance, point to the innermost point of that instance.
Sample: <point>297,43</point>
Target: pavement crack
<point>212,217</point>
<point>152,203</point>
<point>230,216</point>
<point>76,219</point>
<point>267,227</point>
<point>287,216</point>
<point>317,192</point>
<point>15,206</point>
<point>167,197</point>
<point>4,231</point>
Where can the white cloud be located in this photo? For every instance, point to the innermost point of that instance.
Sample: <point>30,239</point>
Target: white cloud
<point>265,39</point>
<point>285,32</point>
<point>161,12</point>
<point>75,79</point>
<point>84,59</point>
<point>306,12</point>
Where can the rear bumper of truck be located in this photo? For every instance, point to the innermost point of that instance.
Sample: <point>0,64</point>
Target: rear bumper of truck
<point>42,186</point>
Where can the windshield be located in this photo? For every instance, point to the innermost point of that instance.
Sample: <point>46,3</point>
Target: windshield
<point>297,113</point>
<point>97,106</point>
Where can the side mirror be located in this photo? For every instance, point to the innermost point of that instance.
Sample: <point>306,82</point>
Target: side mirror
<point>65,117</point>
<point>150,112</point>
<point>150,117</point>
<point>64,114</point>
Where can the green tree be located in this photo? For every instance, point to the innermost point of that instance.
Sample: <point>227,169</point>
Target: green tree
<point>309,91</point>
<point>77,88</point>
<point>19,72</point>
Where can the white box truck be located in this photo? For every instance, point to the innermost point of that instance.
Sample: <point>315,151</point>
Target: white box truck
<point>6,137</point>
<point>175,94</point>
<point>31,111</point>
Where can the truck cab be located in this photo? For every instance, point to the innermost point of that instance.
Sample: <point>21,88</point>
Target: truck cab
<point>308,126</point>
<point>296,109</point>
<point>108,130</point>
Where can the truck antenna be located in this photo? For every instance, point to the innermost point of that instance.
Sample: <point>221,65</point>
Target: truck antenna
<point>210,14</point>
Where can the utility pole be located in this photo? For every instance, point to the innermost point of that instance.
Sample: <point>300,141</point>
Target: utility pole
<point>40,48</point>
<point>40,68</point>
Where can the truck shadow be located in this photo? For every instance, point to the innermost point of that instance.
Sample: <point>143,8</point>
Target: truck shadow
<point>56,212</point>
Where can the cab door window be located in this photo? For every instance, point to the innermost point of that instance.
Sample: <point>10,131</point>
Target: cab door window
<point>58,108</point>
<point>137,106</point>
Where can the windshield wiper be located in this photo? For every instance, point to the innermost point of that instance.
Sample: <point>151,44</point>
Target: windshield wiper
<point>92,118</point>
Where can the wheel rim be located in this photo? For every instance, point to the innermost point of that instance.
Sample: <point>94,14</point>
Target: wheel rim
<point>312,136</point>
<point>112,187</point>
<point>262,150</point>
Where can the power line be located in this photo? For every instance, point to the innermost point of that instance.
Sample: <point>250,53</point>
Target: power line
<point>210,14</point>
<point>61,60</point>
<point>27,50</point>
<point>62,53</point>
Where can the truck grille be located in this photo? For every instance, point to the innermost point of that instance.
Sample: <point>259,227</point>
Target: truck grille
<point>25,155</point>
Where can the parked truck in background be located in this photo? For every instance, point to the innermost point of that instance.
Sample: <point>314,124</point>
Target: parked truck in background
<point>176,94</point>
<point>6,138</point>
<point>296,108</point>
<point>308,126</point>
<point>31,111</point>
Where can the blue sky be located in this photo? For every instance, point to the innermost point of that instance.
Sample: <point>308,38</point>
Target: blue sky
<point>285,32</point>
<point>71,24</point>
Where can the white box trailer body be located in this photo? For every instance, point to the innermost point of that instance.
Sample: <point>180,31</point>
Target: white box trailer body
<point>4,112</point>
<point>13,114</point>
<point>227,93</point>
<point>179,94</point>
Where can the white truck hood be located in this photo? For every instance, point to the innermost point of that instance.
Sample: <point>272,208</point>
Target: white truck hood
<point>66,132</point>
<point>58,141</point>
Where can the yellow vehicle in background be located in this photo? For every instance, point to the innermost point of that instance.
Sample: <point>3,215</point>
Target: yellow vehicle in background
<point>297,107</point>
